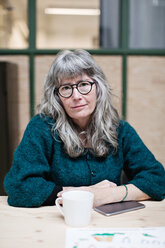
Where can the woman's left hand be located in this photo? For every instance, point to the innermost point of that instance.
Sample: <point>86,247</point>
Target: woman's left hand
<point>96,189</point>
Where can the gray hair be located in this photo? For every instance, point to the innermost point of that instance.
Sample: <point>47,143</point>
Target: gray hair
<point>102,130</point>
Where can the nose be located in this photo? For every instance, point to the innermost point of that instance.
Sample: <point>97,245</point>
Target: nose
<point>76,94</point>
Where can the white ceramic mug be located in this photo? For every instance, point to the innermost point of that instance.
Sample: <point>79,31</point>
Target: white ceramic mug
<point>77,207</point>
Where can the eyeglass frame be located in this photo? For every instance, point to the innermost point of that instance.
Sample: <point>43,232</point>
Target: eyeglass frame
<point>72,86</point>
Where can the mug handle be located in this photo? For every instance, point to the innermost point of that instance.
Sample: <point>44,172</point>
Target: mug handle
<point>59,206</point>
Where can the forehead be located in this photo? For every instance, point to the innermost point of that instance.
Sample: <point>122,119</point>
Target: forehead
<point>75,79</point>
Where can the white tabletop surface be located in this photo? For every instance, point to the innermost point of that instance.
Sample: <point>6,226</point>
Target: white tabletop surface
<point>44,227</point>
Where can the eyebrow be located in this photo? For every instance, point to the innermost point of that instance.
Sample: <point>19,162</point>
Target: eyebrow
<point>82,80</point>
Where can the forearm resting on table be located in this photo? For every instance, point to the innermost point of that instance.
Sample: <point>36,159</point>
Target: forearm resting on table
<point>134,193</point>
<point>107,192</point>
<point>116,194</point>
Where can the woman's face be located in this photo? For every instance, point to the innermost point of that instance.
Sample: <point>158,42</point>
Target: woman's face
<point>79,107</point>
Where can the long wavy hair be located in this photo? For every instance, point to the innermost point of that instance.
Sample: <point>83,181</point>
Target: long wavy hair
<point>102,129</point>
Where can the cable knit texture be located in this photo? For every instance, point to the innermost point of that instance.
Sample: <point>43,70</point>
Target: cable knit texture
<point>41,164</point>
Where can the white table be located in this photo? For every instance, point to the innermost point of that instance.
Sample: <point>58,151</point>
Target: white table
<point>44,227</point>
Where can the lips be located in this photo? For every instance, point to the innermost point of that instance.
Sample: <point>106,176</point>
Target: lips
<point>79,106</point>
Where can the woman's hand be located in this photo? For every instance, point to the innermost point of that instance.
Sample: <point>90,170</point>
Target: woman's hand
<point>108,192</point>
<point>96,189</point>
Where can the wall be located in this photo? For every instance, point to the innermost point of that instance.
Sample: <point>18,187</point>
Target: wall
<point>146,101</point>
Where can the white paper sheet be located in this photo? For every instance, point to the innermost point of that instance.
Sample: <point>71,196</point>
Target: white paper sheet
<point>115,237</point>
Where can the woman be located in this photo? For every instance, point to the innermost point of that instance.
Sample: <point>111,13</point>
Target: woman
<point>77,141</point>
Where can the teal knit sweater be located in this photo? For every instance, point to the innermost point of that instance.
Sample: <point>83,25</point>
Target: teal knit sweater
<point>41,166</point>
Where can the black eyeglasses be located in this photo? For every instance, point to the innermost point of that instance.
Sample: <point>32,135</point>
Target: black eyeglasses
<point>66,90</point>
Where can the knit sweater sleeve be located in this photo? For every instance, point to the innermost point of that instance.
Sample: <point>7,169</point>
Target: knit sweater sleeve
<point>140,165</point>
<point>28,183</point>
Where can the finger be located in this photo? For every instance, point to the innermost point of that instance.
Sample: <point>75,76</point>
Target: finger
<point>111,184</point>
<point>102,183</point>
<point>66,189</point>
<point>107,183</point>
<point>60,202</point>
<point>60,193</point>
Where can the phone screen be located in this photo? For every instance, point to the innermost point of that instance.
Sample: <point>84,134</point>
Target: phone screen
<point>119,207</point>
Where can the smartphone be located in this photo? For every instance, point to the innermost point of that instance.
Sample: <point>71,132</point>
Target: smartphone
<point>119,207</point>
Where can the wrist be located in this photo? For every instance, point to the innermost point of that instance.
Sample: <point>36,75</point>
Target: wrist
<point>117,194</point>
<point>126,194</point>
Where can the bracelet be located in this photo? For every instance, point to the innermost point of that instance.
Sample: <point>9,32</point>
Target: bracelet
<point>126,192</point>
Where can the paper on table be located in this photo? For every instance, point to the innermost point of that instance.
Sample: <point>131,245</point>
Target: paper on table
<point>116,238</point>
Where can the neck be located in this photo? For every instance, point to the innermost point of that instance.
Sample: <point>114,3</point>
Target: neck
<point>81,124</point>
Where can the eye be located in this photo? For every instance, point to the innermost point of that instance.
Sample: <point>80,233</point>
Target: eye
<point>84,84</point>
<point>65,88</point>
